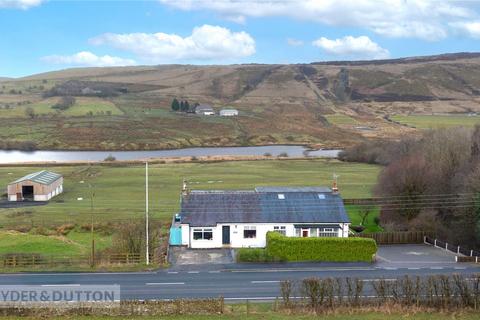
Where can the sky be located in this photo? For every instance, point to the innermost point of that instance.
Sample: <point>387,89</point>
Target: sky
<point>43,35</point>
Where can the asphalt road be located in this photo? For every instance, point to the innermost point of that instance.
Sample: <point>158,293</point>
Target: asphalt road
<point>252,281</point>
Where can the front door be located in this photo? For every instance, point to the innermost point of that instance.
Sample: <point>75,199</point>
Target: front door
<point>225,235</point>
<point>305,233</point>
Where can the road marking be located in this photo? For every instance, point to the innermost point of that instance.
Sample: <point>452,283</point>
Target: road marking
<point>164,283</point>
<point>460,268</point>
<point>413,268</point>
<point>215,271</point>
<point>390,268</point>
<point>374,280</point>
<point>266,281</point>
<point>301,270</point>
<point>61,285</point>
<point>193,271</point>
<point>172,272</point>
<point>436,268</point>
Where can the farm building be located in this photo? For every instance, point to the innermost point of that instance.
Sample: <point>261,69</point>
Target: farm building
<point>242,218</point>
<point>205,110</point>
<point>228,112</point>
<point>37,186</point>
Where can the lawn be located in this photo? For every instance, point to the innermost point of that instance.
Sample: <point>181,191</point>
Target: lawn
<point>339,119</point>
<point>437,121</point>
<point>82,106</point>
<point>119,192</point>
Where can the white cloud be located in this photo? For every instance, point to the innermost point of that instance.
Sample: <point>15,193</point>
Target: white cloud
<point>20,4</point>
<point>294,42</point>
<point>471,28</point>
<point>88,59</point>
<point>205,43</point>
<point>424,19</point>
<point>352,47</point>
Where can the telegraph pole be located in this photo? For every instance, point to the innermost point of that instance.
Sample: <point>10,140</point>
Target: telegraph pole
<point>147,254</point>
<point>92,194</point>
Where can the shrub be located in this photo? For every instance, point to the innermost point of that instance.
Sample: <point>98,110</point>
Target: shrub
<point>320,249</point>
<point>376,220</point>
<point>65,229</point>
<point>283,155</point>
<point>357,228</point>
<point>110,158</point>
<point>254,255</point>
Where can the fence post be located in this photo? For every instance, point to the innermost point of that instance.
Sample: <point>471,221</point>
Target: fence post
<point>446,246</point>
<point>458,250</point>
<point>471,253</point>
<point>435,243</point>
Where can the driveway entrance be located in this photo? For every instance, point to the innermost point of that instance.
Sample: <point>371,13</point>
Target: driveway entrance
<point>186,256</point>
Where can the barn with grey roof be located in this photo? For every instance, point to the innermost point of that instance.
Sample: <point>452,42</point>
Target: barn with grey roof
<point>38,186</point>
<point>242,218</point>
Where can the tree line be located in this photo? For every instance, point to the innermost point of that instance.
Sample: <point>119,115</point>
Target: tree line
<point>430,183</point>
<point>183,106</point>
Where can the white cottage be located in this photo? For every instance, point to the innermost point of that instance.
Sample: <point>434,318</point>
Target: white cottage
<point>236,219</point>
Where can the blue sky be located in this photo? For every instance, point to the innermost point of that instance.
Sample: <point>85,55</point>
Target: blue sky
<point>42,35</point>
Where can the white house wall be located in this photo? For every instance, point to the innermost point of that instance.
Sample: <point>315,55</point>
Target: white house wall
<point>236,235</point>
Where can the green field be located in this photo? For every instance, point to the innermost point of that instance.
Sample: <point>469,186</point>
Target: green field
<point>82,106</point>
<point>339,119</point>
<point>119,193</point>
<point>437,121</point>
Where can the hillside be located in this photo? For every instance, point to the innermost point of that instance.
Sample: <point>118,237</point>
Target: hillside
<point>328,104</point>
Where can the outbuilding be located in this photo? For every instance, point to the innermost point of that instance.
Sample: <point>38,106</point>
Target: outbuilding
<point>38,186</point>
<point>229,112</point>
<point>205,110</point>
<point>242,218</point>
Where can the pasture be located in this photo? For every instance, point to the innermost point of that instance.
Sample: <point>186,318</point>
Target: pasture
<point>437,121</point>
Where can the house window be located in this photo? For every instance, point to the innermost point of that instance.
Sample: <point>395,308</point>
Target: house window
<point>321,196</point>
<point>327,232</point>
<point>313,232</point>
<point>203,234</point>
<point>280,229</point>
<point>249,232</point>
<point>281,196</point>
<point>298,231</point>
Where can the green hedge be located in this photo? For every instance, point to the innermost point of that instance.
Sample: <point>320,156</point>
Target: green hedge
<point>254,255</point>
<point>320,249</point>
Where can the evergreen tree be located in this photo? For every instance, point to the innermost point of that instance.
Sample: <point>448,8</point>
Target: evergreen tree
<point>187,106</point>
<point>182,106</point>
<point>175,104</point>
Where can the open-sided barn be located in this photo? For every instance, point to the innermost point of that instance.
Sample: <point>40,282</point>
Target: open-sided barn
<point>37,186</point>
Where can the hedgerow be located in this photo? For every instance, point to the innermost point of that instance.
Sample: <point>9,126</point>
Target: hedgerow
<point>320,249</point>
<point>254,255</point>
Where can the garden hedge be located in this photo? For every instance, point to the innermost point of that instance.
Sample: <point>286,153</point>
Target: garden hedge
<point>254,255</point>
<point>320,249</point>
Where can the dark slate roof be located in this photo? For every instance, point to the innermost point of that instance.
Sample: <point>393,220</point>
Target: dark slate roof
<point>207,208</point>
<point>42,177</point>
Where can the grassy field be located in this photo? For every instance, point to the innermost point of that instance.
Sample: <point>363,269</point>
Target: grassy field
<point>269,315</point>
<point>82,106</point>
<point>119,193</point>
<point>339,119</point>
<point>437,121</point>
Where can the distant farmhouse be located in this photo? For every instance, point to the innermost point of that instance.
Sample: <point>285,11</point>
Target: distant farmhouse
<point>38,186</point>
<point>205,110</point>
<point>230,112</point>
<point>239,218</point>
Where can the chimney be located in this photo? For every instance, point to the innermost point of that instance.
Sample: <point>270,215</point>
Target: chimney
<point>335,184</point>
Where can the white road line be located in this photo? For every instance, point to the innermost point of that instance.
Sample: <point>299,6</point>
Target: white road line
<point>193,271</point>
<point>413,268</point>
<point>266,281</point>
<point>164,283</point>
<point>374,280</point>
<point>172,272</point>
<point>215,271</point>
<point>436,268</point>
<point>61,285</point>
<point>390,268</point>
<point>301,270</point>
<point>460,268</point>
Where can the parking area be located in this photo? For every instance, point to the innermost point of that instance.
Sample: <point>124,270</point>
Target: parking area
<point>184,256</point>
<point>416,255</point>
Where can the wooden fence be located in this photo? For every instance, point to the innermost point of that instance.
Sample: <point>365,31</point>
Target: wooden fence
<point>400,237</point>
<point>33,260</point>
